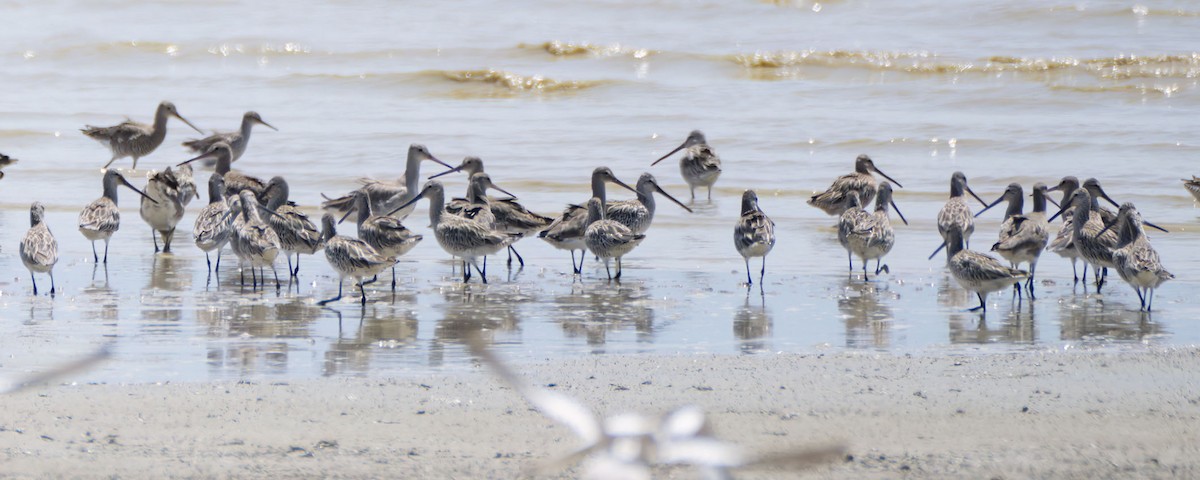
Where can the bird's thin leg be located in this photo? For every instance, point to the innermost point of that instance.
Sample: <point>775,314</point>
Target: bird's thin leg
<point>749,281</point>
<point>218,269</point>
<point>483,272</point>
<point>110,162</point>
<point>606,270</point>
<point>52,283</point>
<point>514,251</point>
<point>289,257</point>
<point>106,250</point>
<point>1149,300</point>
<point>393,278</point>
<point>208,260</point>
<point>1074,272</point>
<point>34,279</point>
<point>276,273</point>
<point>466,272</point>
<point>95,257</point>
<point>363,291</point>
<point>618,277</point>
<point>763,272</point>
<point>1029,284</point>
<point>154,237</point>
<point>334,299</point>
<point>135,159</point>
<point>982,303</point>
<point>850,261</point>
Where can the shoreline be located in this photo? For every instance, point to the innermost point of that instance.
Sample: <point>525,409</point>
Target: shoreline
<point>1029,414</point>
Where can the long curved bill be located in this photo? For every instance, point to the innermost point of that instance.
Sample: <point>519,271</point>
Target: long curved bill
<point>1156,227</point>
<point>972,192</point>
<point>501,190</point>
<point>623,184</point>
<point>669,197</point>
<point>672,152</point>
<point>890,179</point>
<point>190,123</point>
<point>204,156</point>
<point>990,205</point>
<point>444,164</point>
<point>447,172</point>
<point>131,187</point>
<point>897,209</point>
<point>410,202</point>
<point>1061,209</point>
<point>935,252</point>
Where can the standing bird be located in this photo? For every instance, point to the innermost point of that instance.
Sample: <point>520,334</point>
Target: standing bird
<point>637,214</point>
<point>297,234</point>
<point>566,232</point>
<point>187,184</point>
<point>754,235</point>
<point>1094,243</point>
<point>235,181</point>
<point>384,233</point>
<point>608,239</point>
<point>1064,241</point>
<point>5,161</point>
<point>1192,186</point>
<point>100,219</point>
<point>39,250</point>
<point>386,196</point>
<point>1136,260</point>
<point>700,165</point>
<point>254,242</point>
<point>869,235</point>
<point>978,272</point>
<point>212,228</point>
<point>1023,237</point>
<point>163,207</point>
<point>956,215</point>
<point>133,139</point>
<point>459,236</point>
<point>478,206</point>
<point>833,200</point>
<point>350,257</point>
<point>237,140</point>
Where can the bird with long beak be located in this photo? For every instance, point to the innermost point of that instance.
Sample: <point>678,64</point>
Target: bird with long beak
<point>833,200</point>
<point>637,214</point>
<point>753,235</point>
<point>1136,260</point>
<point>956,215</point>
<point>1064,241</point>
<point>237,140</point>
<point>235,181</point>
<point>133,139</point>
<point>1093,240</point>
<point>976,271</point>
<point>386,196</point>
<point>100,219</point>
<point>699,165</point>
<point>567,231</point>
<point>869,235</point>
<point>1022,237</point>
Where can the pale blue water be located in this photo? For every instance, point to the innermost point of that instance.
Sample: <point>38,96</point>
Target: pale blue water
<point>787,92</point>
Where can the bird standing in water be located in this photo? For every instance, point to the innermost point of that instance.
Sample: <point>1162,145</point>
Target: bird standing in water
<point>754,234</point>
<point>133,139</point>
<point>700,165</point>
<point>39,249</point>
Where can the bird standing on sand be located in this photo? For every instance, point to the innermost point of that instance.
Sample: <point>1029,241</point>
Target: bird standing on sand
<point>133,139</point>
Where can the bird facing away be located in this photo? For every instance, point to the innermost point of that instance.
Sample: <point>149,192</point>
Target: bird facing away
<point>566,232</point>
<point>165,209</point>
<point>637,214</point>
<point>212,229</point>
<point>187,184</point>
<point>237,140</point>
<point>297,234</point>
<point>977,272</point>
<point>1136,260</point>
<point>133,139</point>
<point>386,196</point>
<point>384,233</point>
<point>350,257</point>
<point>1022,237</point>
<point>608,239</point>
<point>100,219</point>
<point>754,234</point>
<point>700,165</point>
<point>39,249</point>
<point>254,242</point>
<point>833,200</point>
<point>869,235</point>
<point>956,215</point>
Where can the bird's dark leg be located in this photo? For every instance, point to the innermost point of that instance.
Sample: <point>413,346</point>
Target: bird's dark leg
<point>393,278</point>
<point>618,277</point>
<point>763,272</point>
<point>513,251</point>
<point>466,272</point>
<point>34,279</point>
<point>334,299</point>
<point>482,273</point>
<point>154,237</point>
<point>218,269</point>
<point>105,251</point>
<point>276,273</point>
<point>95,258</point>
<point>289,257</point>
<point>749,281</point>
<point>1141,298</point>
<point>52,283</point>
<point>982,304</point>
<point>363,291</point>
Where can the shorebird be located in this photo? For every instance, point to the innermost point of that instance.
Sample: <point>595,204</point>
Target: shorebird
<point>162,208</point>
<point>1064,241</point>
<point>700,165</point>
<point>187,184</point>
<point>754,234</point>
<point>39,250</point>
<point>383,233</point>
<point>254,242</point>
<point>235,181</point>
<point>479,207</point>
<point>5,161</point>
<point>608,239</point>
<point>1192,186</point>
<point>956,215</point>
<point>1093,238</point>
<point>350,257</point>
<point>511,216</point>
<point>566,232</point>
<point>978,272</point>
<point>459,236</point>
<point>1136,260</point>
<point>386,196</point>
<point>861,181</point>
<point>1022,237</point>
<point>637,214</point>
<point>869,235</point>
<point>212,228</point>
<point>297,234</point>
<point>100,219</point>
<point>237,140</point>
<point>133,139</point>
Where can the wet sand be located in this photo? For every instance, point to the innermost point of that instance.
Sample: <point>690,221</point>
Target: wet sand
<point>1065,414</point>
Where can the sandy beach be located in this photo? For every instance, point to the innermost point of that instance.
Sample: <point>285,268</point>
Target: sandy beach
<point>1062,414</point>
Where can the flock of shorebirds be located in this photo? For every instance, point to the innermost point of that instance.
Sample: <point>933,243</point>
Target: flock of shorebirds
<point>258,220</point>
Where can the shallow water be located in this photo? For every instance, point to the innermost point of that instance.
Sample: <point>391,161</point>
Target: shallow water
<point>787,92</point>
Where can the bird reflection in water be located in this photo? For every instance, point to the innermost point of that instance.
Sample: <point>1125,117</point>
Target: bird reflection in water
<point>594,309</point>
<point>469,310</point>
<point>1017,327</point>
<point>752,325</point>
<point>162,297</point>
<point>1088,319</point>
<point>102,296</point>
<point>381,332</point>
<point>249,336</point>
<point>868,319</point>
